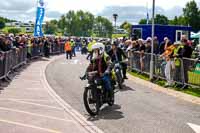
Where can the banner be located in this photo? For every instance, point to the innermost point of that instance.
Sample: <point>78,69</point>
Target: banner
<point>39,19</point>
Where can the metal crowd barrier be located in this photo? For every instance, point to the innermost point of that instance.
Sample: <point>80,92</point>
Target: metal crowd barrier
<point>56,48</point>
<point>2,66</point>
<point>182,71</point>
<point>17,57</point>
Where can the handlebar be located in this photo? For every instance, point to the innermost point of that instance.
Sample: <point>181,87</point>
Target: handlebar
<point>88,74</point>
<point>93,72</point>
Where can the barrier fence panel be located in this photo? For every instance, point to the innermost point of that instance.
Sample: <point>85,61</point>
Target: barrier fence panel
<point>17,56</point>
<point>41,49</point>
<point>7,62</point>
<point>136,61</point>
<point>182,71</point>
<point>2,66</point>
<point>191,71</point>
<point>62,47</point>
<point>159,67</point>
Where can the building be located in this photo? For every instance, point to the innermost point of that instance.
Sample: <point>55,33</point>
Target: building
<point>174,33</point>
<point>13,24</point>
<point>28,26</point>
<point>118,30</point>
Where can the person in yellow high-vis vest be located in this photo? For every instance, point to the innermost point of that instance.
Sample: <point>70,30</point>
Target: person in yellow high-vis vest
<point>73,48</point>
<point>90,53</point>
<point>178,76</point>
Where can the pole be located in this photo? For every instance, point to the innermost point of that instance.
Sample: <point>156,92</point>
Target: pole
<point>115,23</point>
<point>152,44</point>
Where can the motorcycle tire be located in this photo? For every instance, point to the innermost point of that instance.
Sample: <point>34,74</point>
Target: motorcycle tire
<point>112,101</point>
<point>86,103</point>
<point>119,81</point>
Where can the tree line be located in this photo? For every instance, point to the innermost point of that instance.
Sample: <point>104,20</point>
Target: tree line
<point>80,23</point>
<point>3,22</point>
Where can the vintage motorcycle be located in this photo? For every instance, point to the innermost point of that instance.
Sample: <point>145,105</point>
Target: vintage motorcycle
<point>95,94</point>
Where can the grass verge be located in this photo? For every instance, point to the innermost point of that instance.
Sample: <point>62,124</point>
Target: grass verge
<point>191,90</point>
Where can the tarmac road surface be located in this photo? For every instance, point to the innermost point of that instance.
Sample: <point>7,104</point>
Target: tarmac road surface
<point>137,109</point>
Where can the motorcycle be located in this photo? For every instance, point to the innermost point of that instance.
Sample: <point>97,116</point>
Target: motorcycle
<point>118,72</point>
<point>95,95</point>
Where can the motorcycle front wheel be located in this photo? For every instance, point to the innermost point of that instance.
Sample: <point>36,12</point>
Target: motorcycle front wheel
<point>91,101</point>
<point>119,80</point>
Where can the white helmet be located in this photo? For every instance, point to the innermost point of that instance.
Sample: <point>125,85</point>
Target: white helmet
<point>99,46</point>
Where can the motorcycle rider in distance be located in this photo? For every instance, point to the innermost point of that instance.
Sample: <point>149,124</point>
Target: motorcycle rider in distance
<point>118,55</point>
<point>102,64</point>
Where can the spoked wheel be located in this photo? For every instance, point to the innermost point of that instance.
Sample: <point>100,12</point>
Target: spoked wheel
<point>91,101</point>
<point>112,97</point>
<point>119,81</point>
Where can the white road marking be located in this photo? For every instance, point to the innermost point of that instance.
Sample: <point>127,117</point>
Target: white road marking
<point>13,99</point>
<point>29,113</point>
<point>195,127</point>
<point>41,105</point>
<point>74,62</point>
<point>29,126</point>
<point>81,120</point>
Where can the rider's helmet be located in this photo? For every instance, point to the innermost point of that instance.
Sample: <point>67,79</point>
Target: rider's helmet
<point>99,46</point>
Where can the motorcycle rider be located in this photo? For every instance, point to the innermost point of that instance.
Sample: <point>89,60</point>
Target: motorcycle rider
<point>102,64</point>
<point>117,55</point>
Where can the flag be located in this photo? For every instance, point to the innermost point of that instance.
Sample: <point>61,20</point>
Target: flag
<point>39,19</point>
<point>147,18</point>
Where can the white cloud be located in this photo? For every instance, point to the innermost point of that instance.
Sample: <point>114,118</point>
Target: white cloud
<point>97,5</point>
<point>25,9</point>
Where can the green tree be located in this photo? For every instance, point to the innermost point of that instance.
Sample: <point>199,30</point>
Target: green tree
<point>161,19</point>
<point>51,27</point>
<point>178,21</point>
<point>61,24</point>
<point>103,27</point>
<point>192,15</point>
<point>85,23</point>
<point>14,30</point>
<point>2,24</point>
<point>7,20</point>
<point>144,21</point>
<point>82,23</point>
<point>127,26</point>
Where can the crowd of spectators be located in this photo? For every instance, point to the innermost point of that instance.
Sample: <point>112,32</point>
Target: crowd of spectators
<point>170,52</point>
<point>174,55</point>
<point>34,45</point>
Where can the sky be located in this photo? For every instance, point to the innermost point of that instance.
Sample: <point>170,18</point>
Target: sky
<point>130,10</point>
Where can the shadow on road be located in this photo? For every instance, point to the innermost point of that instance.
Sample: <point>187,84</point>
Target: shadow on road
<point>109,113</point>
<point>126,88</point>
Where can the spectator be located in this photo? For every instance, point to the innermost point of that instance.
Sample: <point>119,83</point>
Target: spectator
<point>141,51</point>
<point>155,45</point>
<point>185,52</point>
<point>161,48</point>
<point>46,47</point>
<point>148,45</point>
<point>169,68</point>
<point>178,63</point>
<point>5,44</point>
<point>68,50</point>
